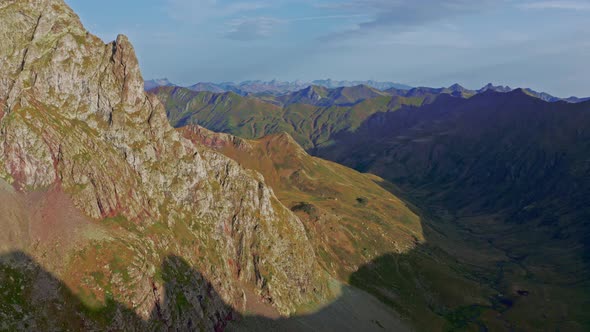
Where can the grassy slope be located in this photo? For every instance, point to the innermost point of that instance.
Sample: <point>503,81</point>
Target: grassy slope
<point>351,218</point>
<point>310,125</point>
<point>364,235</point>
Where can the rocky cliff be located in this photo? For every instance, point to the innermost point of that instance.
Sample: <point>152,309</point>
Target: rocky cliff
<point>349,217</point>
<point>74,119</point>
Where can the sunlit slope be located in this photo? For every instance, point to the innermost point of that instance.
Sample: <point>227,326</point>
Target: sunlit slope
<point>351,218</point>
<point>312,116</point>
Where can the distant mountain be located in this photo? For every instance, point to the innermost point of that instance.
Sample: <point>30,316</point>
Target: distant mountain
<point>429,94</point>
<point>574,100</point>
<point>156,83</point>
<point>322,96</point>
<point>457,90</point>
<point>274,87</point>
<point>249,87</point>
<point>271,87</point>
<point>331,84</point>
<point>497,88</point>
<point>312,115</point>
<point>312,95</point>
<point>211,87</point>
<point>541,95</point>
<point>268,90</point>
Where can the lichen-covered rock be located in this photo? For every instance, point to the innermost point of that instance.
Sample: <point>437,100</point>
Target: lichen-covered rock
<point>73,112</point>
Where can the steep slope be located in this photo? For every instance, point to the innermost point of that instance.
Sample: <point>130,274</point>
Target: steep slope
<point>366,236</point>
<point>74,120</point>
<point>349,217</point>
<point>504,181</point>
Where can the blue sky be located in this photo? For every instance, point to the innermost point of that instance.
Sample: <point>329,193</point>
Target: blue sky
<point>544,45</point>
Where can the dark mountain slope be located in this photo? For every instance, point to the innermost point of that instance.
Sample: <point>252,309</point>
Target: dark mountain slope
<point>504,179</point>
<point>35,299</point>
<point>510,141</point>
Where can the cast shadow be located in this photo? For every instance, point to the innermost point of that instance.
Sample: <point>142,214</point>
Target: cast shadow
<point>33,299</point>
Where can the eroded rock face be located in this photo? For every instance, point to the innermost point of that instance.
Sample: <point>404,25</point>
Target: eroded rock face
<point>73,112</point>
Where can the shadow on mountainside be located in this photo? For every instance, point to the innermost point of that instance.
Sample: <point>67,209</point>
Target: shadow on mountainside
<point>34,299</point>
<point>502,185</point>
<point>429,288</point>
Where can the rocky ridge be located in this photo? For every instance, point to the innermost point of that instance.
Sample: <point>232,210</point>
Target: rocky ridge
<point>349,217</point>
<point>74,116</point>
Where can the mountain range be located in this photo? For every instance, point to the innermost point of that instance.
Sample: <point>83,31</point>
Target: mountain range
<point>278,88</point>
<point>499,178</point>
<point>307,117</point>
<point>273,87</point>
<point>321,207</point>
<point>312,115</point>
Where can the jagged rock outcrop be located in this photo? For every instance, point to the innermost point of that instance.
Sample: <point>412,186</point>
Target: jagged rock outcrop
<point>73,114</point>
<point>349,217</point>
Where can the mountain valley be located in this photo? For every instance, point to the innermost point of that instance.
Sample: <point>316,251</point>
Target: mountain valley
<point>498,178</point>
<point>133,205</point>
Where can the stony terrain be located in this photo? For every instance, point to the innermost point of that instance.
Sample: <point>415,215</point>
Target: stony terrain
<point>349,217</point>
<point>78,132</point>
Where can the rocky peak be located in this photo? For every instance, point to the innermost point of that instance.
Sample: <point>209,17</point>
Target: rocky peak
<point>311,92</point>
<point>456,87</point>
<point>492,87</point>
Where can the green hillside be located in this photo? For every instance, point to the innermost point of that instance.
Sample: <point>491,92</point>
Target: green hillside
<point>311,125</point>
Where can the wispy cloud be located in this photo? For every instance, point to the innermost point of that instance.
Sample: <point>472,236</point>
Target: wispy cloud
<point>561,5</point>
<point>403,15</point>
<point>252,28</point>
